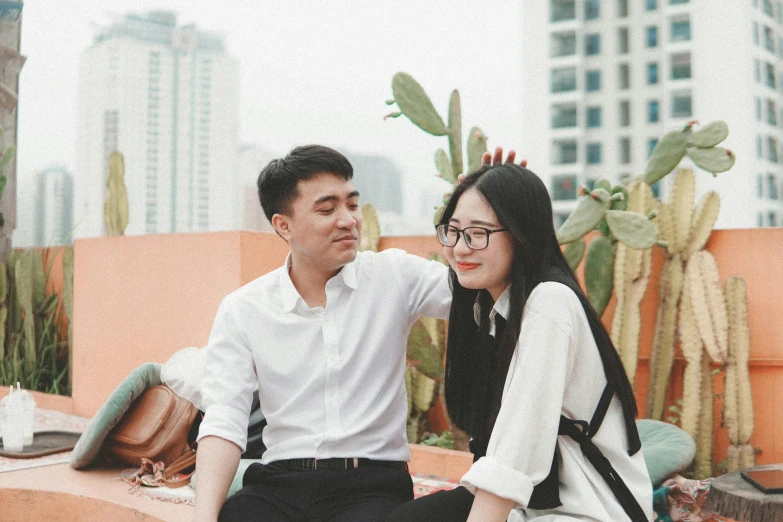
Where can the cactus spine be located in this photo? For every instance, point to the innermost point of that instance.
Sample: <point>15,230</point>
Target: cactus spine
<point>115,208</point>
<point>738,401</point>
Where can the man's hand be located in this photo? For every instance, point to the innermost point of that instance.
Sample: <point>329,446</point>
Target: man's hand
<point>496,159</point>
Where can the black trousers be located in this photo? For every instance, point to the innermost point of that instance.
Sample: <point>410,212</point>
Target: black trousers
<point>443,506</point>
<point>275,494</point>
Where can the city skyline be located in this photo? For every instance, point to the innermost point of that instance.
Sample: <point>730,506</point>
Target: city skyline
<point>309,74</point>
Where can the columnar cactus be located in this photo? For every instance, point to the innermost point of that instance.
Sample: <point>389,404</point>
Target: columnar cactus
<point>692,349</point>
<point>631,274</point>
<point>738,401</point>
<point>371,229</point>
<point>685,231</point>
<point>115,208</point>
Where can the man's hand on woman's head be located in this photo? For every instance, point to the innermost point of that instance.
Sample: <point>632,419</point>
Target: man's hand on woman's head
<point>496,159</point>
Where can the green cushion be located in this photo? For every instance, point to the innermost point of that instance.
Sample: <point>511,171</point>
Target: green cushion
<point>89,444</point>
<point>236,484</point>
<point>667,448</point>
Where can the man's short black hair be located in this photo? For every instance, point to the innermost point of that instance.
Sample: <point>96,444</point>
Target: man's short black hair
<point>277,183</point>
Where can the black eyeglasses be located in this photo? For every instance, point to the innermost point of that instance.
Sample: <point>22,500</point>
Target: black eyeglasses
<point>476,238</point>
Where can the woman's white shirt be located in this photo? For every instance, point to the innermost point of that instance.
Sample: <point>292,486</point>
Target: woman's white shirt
<point>556,369</point>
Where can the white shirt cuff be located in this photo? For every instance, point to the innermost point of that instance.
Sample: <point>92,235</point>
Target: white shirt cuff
<point>489,475</point>
<point>225,422</point>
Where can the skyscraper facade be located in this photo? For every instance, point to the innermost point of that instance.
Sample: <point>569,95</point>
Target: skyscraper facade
<point>615,75</point>
<point>53,207</point>
<point>166,97</point>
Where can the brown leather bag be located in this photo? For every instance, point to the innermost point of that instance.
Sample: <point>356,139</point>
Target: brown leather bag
<point>155,428</point>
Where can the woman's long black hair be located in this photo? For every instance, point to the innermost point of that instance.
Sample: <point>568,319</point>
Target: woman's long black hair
<point>523,207</point>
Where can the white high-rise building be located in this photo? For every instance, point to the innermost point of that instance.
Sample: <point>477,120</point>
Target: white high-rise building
<point>53,207</point>
<point>166,97</point>
<point>606,78</point>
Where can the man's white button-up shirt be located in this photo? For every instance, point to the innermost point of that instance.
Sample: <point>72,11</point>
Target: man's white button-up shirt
<point>330,379</point>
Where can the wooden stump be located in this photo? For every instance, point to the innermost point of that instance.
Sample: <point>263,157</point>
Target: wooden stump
<point>734,497</point>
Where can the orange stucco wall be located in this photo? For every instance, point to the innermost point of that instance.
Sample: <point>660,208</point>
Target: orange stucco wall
<point>142,298</point>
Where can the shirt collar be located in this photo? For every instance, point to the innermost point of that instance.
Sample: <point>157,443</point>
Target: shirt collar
<point>347,276</point>
<point>501,307</point>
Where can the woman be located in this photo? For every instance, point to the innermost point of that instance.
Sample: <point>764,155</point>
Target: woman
<point>531,374</point>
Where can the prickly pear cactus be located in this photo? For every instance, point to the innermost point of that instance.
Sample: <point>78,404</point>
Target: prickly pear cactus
<point>115,209</point>
<point>414,103</point>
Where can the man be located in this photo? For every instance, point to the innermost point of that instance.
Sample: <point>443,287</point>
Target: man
<point>324,339</point>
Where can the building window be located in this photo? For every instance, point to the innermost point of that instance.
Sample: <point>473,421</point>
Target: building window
<point>562,10</point>
<point>622,8</point>
<point>772,187</point>
<point>625,113</point>
<point>682,106</point>
<point>563,44</point>
<point>681,30</point>
<point>766,6</point>
<point>622,40</point>
<point>564,79</point>
<point>756,33</point>
<point>593,117</point>
<point>593,152</point>
<point>760,220</point>
<point>625,151</point>
<point>652,73</point>
<point>758,108</point>
<point>772,149</point>
<point>759,147</point>
<point>757,70</point>
<point>772,218</point>
<point>772,112</point>
<point>651,5</point>
<point>592,9</point>
<point>624,76</point>
<point>564,152</point>
<point>563,115</point>
<point>759,186</point>
<point>651,144</point>
<point>592,44</point>
<point>769,40</point>
<point>681,66</point>
<point>675,2</point>
<point>652,36</point>
<point>593,80</point>
<point>564,187</point>
<point>653,112</point>
<point>770,75</point>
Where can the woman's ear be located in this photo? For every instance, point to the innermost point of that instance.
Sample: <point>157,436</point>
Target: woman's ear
<point>282,225</point>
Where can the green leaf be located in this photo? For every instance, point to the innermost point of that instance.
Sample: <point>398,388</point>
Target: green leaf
<point>632,228</point>
<point>416,105</point>
<point>585,217</point>
<point>709,135</point>
<point>599,273</point>
<point>444,166</point>
<point>667,154</point>
<point>715,159</point>
<point>574,251</point>
<point>477,146</point>
<point>455,132</point>
<point>6,157</point>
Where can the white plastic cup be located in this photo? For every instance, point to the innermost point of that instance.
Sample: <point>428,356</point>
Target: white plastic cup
<point>27,414</point>
<point>13,430</point>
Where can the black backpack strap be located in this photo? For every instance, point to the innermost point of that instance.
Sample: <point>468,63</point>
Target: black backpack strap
<point>583,434</point>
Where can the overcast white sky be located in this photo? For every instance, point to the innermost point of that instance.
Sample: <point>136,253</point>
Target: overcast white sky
<point>311,72</point>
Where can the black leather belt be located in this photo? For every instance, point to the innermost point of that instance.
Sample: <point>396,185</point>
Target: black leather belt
<point>337,464</point>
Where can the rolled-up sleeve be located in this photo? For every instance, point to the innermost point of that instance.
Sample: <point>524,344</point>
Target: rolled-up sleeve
<point>229,379</point>
<point>523,440</point>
